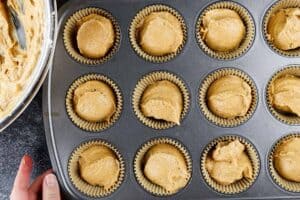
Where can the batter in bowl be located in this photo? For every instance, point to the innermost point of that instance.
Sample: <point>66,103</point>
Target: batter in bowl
<point>17,62</point>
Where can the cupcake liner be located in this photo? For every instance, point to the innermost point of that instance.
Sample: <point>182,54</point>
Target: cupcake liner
<point>238,186</point>
<point>80,184</point>
<point>133,32</point>
<point>87,125</point>
<point>138,171</point>
<point>289,119</point>
<point>219,120</point>
<point>245,44</point>
<point>283,183</point>
<point>144,83</point>
<point>71,28</point>
<point>282,4</point>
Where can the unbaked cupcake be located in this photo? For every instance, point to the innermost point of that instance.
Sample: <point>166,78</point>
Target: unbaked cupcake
<point>285,94</point>
<point>160,33</point>
<point>95,36</point>
<point>222,30</point>
<point>162,100</point>
<point>228,163</point>
<point>229,97</point>
<point>286,159</point>
<point>94,101</point>
<point>284,28</point>
<point>165,165</point>
<point>99,166</point>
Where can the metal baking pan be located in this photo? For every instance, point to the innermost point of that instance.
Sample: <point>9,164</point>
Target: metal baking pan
<point>195,132</point>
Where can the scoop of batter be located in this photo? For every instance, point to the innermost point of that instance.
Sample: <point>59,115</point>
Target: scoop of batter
<point>222,29</point>
<point>95,36</point>
<point>160,33</point>
<point>99,166</point>
<point>162,100</point>
<point>94,101</point>
<point>287,160</point>
<point>229,163</point>
<point>165,166</point>
<point>285,94</point>
<point>229,97</point>
<point>284,28</point>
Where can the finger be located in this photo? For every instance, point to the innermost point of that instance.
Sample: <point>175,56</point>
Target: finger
<point>36,187</point>
<point>51,188</point>
<point>22,179</point>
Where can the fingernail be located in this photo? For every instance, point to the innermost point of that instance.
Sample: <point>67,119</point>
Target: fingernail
<point>27,161</point>
<point>51,180</point>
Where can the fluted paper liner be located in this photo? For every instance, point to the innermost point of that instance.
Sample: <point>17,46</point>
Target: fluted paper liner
<point>245,44</point>
<point>138,162</point>
<point>282,4</point>
<point>287,185</point>
<point>83,186</point>
<point>87,125</point>
<point>142,86</point>
<point>283,117</point>
<point>70,31</point>
<point>133,32</point>
<point>223,122</point>
<point>240,185</point>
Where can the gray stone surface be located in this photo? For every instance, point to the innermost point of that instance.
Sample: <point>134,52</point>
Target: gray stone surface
<point>25,136</point>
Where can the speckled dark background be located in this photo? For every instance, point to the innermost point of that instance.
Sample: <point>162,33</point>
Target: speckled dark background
<point>25,136</point>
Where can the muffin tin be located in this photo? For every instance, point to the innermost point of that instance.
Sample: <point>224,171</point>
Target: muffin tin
<point>192,65</point>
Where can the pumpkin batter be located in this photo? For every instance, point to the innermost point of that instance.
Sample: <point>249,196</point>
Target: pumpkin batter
<point>284,29</point>
<point>229,97</point>
<point>94,101</point>
<point>286,94</point>
<point>99,166</point>
<point>222,29</point>
<point>160,33</point>
<point>165,166</point>
<point>287,160</point>
<point>229,163</point>
<point>95,36</point>
<point>17,63</point>
<point>162,100</point>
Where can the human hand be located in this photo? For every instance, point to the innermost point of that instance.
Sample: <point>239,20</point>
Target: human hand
<point>43,187</point>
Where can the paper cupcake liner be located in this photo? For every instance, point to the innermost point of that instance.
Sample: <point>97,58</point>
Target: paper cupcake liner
<point>285,118</point>
<point>138,171</point>
<point>283,183</point>
<point>238,186</point>
<point>144,83</point>
<point>83,186</point>
<point>133,30</point>
<point>245,44</point>
<point>87,125</point>
<point>71,28</point>
<point>219,120</point>
<point>282,4</point>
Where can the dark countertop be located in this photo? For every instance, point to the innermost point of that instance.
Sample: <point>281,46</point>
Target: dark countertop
<point>25,135</point>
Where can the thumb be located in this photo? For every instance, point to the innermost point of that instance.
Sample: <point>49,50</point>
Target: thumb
<point>51,188</point>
